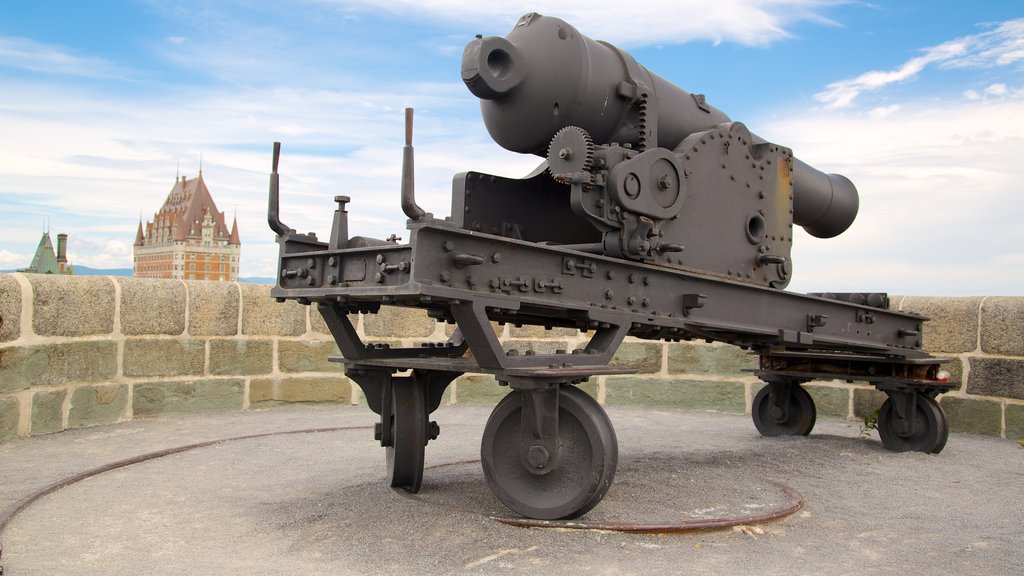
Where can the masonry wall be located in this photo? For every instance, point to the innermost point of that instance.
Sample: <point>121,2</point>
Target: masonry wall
<point>89,351</point>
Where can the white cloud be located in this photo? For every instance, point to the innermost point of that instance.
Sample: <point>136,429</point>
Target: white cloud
<point>80,159</point>
<point>940,193</point>
<point>1001,46</point>
<point>27,54</point>
<point>883,111</point>
<point>676,21</point>
<point>996,90</point>
<point>11,261</point>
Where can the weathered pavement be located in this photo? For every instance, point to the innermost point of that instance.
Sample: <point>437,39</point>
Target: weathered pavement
<point>316,503</point>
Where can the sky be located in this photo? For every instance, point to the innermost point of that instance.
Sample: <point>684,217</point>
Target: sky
<point>103,103</point>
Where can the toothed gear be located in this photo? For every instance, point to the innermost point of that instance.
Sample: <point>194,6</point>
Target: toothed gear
<point>571,151</point>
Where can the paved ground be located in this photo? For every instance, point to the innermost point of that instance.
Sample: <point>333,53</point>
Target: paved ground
<point>316,504</point>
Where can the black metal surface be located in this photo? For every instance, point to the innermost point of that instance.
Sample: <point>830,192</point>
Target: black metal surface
<point>783,408</point>
<point>404,455</point>
<point>912,422</point>
<point>587,458</point>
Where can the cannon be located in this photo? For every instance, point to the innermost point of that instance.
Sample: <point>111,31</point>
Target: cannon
<point>651,215</point>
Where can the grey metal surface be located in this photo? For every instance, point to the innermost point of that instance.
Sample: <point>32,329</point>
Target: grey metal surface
<point>653,215</point>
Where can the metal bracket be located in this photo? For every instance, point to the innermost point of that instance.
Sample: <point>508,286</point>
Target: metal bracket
<point>779,393</point>
<point>904,410</point>
<point>539,444</point>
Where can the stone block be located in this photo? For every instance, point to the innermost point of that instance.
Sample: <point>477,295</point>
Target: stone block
<point>261,390</point>
<point>973,415</point>
<point>478,389</point>
<point>644,357</point>
<point>263,315</point>
<point>996,377</point>
<point>952,324</point>
<point>866,401</point>
<point>528,332</point>
<point>10,415</point>
<point>500,330</point>
<point>1014,421</point>
<point>152,306</point>
<point>154,398</point>
<point>719,359</point>
<point>163,357</point>
<point>97,405</point>
<point>307,356</point>
<point>267,392</point>
<point>1002,326</point>
<point>723,396</point>
<point>53,364</point>
<point>240,356</point>
<point>10,308</point>
<point>830,400</point>
<point>72,305</point>
<point>319,327</point>
<point>212,308</point>
<point>536,346</point>
<point>398,322</point>
<point>47,412</point>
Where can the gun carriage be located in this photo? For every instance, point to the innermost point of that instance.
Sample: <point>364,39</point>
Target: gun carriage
<point>652,215</point>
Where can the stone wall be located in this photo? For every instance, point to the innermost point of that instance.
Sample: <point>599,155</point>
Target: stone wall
<point>87,351</point>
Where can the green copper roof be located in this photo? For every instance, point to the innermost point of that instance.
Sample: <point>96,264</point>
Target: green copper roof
<point>45,260</point>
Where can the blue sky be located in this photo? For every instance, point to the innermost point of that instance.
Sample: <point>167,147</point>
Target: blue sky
<point>920,103</point>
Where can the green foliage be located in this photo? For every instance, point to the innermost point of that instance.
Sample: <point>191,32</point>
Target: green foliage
<point>871,423</point>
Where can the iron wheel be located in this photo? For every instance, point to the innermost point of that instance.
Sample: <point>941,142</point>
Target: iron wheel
<point>770,421</point>
<point>929,433</point>
<point>405,455</point>
<point>588,455</point>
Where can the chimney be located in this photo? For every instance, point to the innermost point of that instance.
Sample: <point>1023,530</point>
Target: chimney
<point>62,251</point>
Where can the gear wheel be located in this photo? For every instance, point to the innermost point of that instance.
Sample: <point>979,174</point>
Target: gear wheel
<point>570,151</point>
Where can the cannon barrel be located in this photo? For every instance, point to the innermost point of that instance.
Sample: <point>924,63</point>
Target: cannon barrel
<point>545,75</point>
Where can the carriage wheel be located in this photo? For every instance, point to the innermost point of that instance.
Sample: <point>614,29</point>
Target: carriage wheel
<point>587,457</point>
<point>928,431</point>
<point>771,420</point>
<point>408,443</point>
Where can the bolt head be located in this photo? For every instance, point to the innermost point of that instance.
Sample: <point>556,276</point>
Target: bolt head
<point>537,456</point>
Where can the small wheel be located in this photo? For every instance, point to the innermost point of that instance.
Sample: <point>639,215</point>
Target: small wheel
<point>928,434</point>
<point>408,436</point>
<point>587,458</point>
<point>770,420</point>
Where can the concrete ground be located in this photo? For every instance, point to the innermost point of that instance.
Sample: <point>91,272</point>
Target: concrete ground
<point>316,503</point>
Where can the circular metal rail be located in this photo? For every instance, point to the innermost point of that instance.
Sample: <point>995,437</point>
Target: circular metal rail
<point>794,504</point>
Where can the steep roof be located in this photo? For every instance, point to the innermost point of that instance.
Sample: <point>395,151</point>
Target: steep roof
<point>234,240</point>
<point>182,213</point>
<point>45,259</point>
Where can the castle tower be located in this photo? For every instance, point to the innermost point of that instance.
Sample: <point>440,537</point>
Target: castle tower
<point>188,238</point>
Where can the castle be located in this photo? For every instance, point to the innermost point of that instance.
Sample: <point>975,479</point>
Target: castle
<point>188,238</point>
